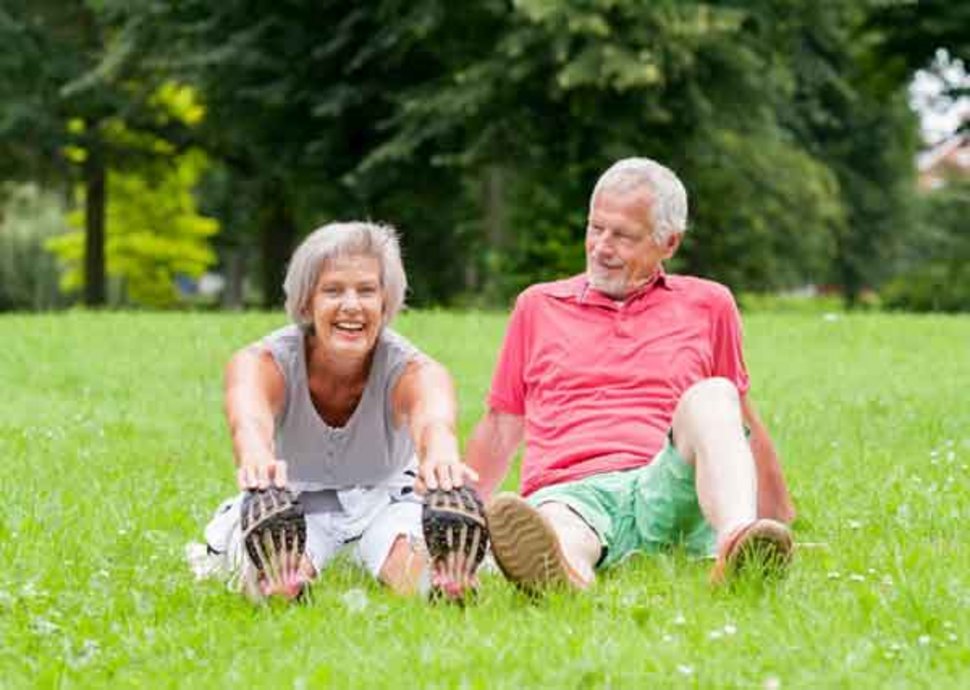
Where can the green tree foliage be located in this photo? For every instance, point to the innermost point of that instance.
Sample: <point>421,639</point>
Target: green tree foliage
<point>851,114</point>
<point>565,88</point>
<point>297,94</point>
<point>157,234</point>
<point>479,128</point>
<point>936,276</point>
<point>69,81</point>
<point>910,33</point>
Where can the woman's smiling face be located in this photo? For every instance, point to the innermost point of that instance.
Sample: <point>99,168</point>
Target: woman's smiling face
<point>347,306</point>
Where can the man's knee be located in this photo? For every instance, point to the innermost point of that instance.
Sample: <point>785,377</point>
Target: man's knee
<point>716,388</point>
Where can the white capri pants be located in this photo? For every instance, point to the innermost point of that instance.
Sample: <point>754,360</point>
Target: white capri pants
<point>363,522</point>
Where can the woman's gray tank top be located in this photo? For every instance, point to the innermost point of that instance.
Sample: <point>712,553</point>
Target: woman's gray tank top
<point>367,450</point>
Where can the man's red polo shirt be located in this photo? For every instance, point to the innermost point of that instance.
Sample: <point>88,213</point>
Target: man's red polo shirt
<point>598,380</point>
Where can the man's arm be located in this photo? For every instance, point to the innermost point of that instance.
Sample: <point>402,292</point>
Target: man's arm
<point>424,397</point>
<point>491,447</point>
<point>254,394</point>
<point>773,498</point>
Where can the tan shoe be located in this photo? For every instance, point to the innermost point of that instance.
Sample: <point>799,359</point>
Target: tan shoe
<point>526,547</point>
<point>763,546</point>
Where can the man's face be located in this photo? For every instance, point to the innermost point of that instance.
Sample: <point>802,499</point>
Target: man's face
<point>621,253</point>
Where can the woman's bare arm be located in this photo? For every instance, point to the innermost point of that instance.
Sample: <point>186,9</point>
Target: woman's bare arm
<point>424,397</point>
<point>254,396</point>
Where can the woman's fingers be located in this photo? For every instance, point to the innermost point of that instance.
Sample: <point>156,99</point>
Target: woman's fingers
<point>433,475</point>
<point>278,473</point>
<point>445,479</point>
<point>251,477</point>
<point>245,477</point>
<point>420,485</point>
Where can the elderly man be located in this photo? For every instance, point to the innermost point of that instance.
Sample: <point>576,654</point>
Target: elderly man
<point>630,390</point>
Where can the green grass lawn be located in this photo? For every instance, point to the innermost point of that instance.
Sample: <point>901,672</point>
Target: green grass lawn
<point>114,455</point>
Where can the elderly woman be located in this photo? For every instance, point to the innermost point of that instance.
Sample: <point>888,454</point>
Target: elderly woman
<point>343,410</point>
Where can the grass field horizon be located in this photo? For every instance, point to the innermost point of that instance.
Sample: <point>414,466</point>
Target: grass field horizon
<point>115,454</point>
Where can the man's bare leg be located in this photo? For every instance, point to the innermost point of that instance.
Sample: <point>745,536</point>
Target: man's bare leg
<point>709,434</point>
<point>537,548</point>
<point>580,545</point>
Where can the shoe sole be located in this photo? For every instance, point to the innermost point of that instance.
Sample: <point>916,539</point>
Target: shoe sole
<point>525,547</point>
<point>763,548</point>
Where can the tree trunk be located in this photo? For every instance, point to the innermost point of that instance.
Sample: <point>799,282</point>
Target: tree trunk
<point>235,269</point>
<point>494,221</point>
<point>278,241</point>
<point>95,199</point>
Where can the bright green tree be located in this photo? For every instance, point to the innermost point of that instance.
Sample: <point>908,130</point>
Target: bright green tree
<point>70,80</point>
<point>157,234</point>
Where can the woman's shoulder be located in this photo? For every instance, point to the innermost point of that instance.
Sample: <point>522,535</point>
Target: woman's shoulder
<point>396,347</point>
<point>284,344</point>
<point>290,335</point>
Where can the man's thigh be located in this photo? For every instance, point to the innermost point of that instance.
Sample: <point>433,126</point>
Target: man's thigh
<point>605,503</point>
<point>666,509</point>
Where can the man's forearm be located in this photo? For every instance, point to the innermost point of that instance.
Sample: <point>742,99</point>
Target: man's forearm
<point>491,448</point>
<point>774,500</point>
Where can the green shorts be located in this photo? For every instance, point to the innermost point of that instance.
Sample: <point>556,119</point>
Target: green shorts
<point>650,509</point>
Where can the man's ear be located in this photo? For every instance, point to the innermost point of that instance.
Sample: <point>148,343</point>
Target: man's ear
<point>672,244</point>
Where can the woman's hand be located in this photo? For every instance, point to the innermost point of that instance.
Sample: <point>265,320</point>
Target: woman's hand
<point>261,476</point>
<point>444,473</point>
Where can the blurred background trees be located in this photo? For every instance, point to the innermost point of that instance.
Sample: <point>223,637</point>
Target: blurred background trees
<point>225,131</point>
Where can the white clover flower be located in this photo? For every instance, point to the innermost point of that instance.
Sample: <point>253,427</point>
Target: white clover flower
<point>355,600</point>
<point>42,626</point>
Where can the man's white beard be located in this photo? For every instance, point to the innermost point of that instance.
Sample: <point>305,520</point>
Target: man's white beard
<point>616,288</point>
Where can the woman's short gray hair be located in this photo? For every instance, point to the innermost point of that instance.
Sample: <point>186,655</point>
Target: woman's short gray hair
<point>354,238</point>
<point>669,207</point>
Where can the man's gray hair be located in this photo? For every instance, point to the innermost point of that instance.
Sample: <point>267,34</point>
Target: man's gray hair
<point>355,238</point>
<point>669,198</point>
